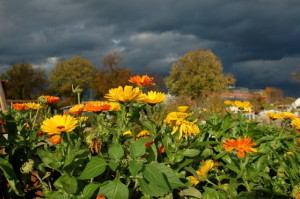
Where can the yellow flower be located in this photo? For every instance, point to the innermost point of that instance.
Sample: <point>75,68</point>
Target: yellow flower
<point>33,106</point>
<point>126,94</point>
<point>288,153</point>
<point>228,102</point>
<point>202,172</point>
<point>296,123</point>
<point>77,109</point>
<point>128,133</point>
<point>153,97</point>
<point>173,117</point>
<point>185,128</point>
<point>58,124</point>
<point>82,118</point>
<point>114,106</point>
<point>182,108</point>
<point>245,105</point>
<point>288,115</point>
<point>143,133</point>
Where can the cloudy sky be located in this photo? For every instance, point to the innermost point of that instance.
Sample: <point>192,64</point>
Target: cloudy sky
<point>257,40</point>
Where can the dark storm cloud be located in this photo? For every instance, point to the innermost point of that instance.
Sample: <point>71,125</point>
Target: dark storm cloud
<point>256,40</point>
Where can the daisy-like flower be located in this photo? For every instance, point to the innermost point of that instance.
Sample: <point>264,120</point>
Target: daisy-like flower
<point>19,107</point>
<point>142,80</point>
<point>296,123</point>
<point>245,105</point>
<point>182,108</point>
<point>77,109</point>
<point>55,139</point>
<point>228,102</point>
<point>58,124</point>
<point>173,117</point>
<point>114,106</point>
<point>202,171</point>
<point>153,97</point>
<point>128,133</point>
<point>288,115</point>
<point>275,116</point>
<point>126,94</point>
<point>241,145</point>
<point>143,133</point>
<point>185,128</point>
<point>97,106</point>
<point>51,99</point>
<point>33,106</point>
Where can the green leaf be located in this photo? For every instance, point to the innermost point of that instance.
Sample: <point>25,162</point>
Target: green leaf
<point>115,190</point>
<point>191,191</point>
<point>138,148</point>
<point>135,167</point>
<point>190,152</point>
<point>10,176</point>
<point>232,167</point>
<point>96,166</point>
<point>151,189</point>
<point>67,183</point>
<point>212,193</point>
<point>75,155</point>
<point>152,174</point>
<point>54,195</point>
<point>49,159</point>
<point>89,190</point>
<point>113,165</point>
<point>116,152</point>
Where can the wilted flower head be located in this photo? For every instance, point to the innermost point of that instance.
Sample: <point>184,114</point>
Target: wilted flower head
<point>173,117</point>
<point>182,108</point>
<point>142,80</point>
<point>202,171</point>
<point>77,109</point>
<point>126,94</point>
<point>153,97</point>
<point>241,145</point>
<point>48,99</point>
<point>185,128</point>
<point>33,106</point>
<point>97,106</point>
<point>58,124</point>
<point>19,107</point>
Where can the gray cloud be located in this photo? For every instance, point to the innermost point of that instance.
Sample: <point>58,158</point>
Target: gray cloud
<point>255,40</point>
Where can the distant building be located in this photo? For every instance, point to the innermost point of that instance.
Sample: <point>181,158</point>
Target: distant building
<point>241,94</point>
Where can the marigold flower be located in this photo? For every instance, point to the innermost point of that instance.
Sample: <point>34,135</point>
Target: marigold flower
<point>97,106</point>
<point>245,105</point>
<point>153,97</point>
<point>142,81</point>
<point>126,94</point>
<point>143,133</point>
<point>185,129</point>
<point>296,123</point>
<point>55,139</point>
<point>288,115</point>
<point>114,106</point>
<point>182,108</point>
<point>77,109</point>
<point>173,117</point>
<point>19,107</point>
<point>241,145</point>
<point>228,102</point>
<point>202,172</point>
<point>101,196</point>
<point>128,133</point>
<point>82,118</point>
<point>275,116</point>
<point>51,99</point>
<point>33,106</point>
<point>58,124</point>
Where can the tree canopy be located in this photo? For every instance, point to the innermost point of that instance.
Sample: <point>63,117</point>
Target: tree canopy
<point>199,72</point>
<point>77,71</point>
<point>24,81</point>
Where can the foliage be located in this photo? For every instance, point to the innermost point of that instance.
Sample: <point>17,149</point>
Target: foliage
<point>136,151</point>
<point>198,72</point>
<point>24,81</point>
<point>273,95</point>
<point>77,71</point>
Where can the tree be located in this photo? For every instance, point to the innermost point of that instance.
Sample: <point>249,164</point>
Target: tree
<point>77,71</point>
<point>115,76</point>
<point>24,82</point>
<point>198,73</point>
<point>273,94</point>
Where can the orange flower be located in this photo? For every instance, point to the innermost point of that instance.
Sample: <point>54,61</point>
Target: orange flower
<point>77,109</point>
<point>51,99</point>
<point>142,81</point>
<point>97,106</point>
<point>19,107</point>
<point>55,139</point>
<point>101,196</point>
<point>241,145</point>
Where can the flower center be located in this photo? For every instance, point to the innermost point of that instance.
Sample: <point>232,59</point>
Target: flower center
<point>60,127</point>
